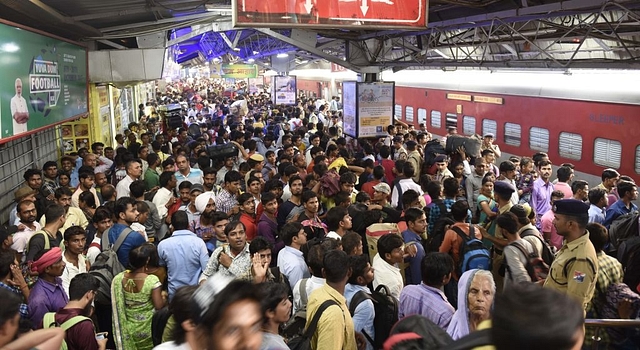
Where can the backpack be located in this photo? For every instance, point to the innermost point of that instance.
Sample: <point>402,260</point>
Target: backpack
<point>629,257</point>
<point>49,321</point>
<point>432,149</point>
<point>107,265</point>
<point>535,266</point>
<point>473,253</point>
<point>622,228</point>
<point>47,242</point>
<point>546,254</point>
<point>386,313</point>
<point>330,183</point>
<point>418,332</point>
<point>303,342</point>
<point>295,326</point>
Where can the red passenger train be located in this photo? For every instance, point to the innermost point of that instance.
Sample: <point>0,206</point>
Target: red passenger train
<point>588,118</point>
<point>592,135</point>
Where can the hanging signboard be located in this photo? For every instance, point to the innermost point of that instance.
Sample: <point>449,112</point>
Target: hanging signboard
<point>368,108</point>
<point>349,103</point>
<point>256,85</point>
<point>239,71</point>
<point>285,90</point>
<point>363,14</point>
<point>43,81</point>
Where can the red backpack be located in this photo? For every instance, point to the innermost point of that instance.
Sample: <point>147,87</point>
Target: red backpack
<point>330,183</point>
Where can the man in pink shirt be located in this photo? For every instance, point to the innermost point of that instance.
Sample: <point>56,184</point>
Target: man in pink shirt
<point>548,230</point>
<point>565,174</point>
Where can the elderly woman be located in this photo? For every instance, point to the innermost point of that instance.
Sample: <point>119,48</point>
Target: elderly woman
<point>476,290</point>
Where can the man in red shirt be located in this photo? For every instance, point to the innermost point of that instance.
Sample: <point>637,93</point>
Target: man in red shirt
<point>82,334</point>
<point>378,175</point>
<point>248,215</point>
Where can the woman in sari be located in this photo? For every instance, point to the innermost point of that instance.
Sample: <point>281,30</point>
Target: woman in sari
<point>476,290</point>
<point>135,295</point>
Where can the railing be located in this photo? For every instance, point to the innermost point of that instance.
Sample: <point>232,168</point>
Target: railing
<point>599,324</point>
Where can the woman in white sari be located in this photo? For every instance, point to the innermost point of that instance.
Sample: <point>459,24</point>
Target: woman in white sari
<point>476,290</point>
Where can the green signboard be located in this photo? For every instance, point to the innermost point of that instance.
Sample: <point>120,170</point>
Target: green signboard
<point>239,71</point>
<point>43,81</point>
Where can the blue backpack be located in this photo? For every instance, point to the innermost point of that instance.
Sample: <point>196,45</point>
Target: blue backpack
<point>473,254</point>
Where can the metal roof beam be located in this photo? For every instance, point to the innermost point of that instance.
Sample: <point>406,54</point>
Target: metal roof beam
<point>309,48</point>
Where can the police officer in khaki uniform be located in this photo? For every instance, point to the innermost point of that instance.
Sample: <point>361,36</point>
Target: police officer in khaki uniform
<point>575,268</point>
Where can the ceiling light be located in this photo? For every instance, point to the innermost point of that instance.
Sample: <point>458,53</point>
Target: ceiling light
<point>218,8</point>
<point>9,47</point>
<point>282,55</point>
<point>251,60</point>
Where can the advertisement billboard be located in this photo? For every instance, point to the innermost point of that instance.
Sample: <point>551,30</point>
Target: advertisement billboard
<point>363,14</point>
<point>239,71</point>
<point>349,104</point>
<point>285,90</point>
<point>43,81</point>
<point>256,85</point>
<point>375,108</point>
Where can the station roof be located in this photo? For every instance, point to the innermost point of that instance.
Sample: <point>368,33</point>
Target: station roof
<point>485,34</point>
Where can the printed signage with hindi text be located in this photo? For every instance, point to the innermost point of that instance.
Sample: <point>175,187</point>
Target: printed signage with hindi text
<point>368,108</point>
<point>363,14</point>
<point>43,81</point>
<point>239,71</point>
<point>349,97</point>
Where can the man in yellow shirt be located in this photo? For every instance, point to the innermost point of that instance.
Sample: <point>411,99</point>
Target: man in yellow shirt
<point>335,327</point>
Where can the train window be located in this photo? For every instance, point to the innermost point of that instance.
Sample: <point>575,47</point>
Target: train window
<point>539,139</point>
<point>637,160</point>
<point>408,114</point>
<point>436,119</point>
<point>607,152</point>
<point>489,127</point>
<point>398,111</point>
<point>422,116</point>
<point>452,120</point>
<point>468,125</point>
<point>512,134</point>
<point>570,145</point>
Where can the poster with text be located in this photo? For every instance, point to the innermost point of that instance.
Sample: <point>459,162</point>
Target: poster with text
<point>43,81</point>
<point>349,105</point>
<point>285,90</point>
<point>375,108</point>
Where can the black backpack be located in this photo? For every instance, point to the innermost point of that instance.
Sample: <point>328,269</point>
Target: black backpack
<point>107,265</point>
<point>295,326</point>
<point>432,149</point>
<point>303,342</point>
<point>629,257</point>
<point>546,254</point>
<point>623,227</point>
<point>386,313</point>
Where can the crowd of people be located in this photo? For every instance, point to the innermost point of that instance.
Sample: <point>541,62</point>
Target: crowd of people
<point>228,249</point>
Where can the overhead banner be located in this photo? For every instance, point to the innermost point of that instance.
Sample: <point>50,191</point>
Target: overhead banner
<point>285,90</point>
<point>43,81</point>
<point>239,71</point>
<point>363,14</point>
<point>368,108</point>
<point>349,98</point>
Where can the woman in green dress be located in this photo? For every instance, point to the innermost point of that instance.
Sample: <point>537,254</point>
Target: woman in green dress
<point>135,295</point>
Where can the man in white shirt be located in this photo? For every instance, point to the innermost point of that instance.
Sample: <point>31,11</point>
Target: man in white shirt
<point>134,171</point>
<point>290,259</point>
<point>338,222</point>
<point>26,211</point>
<point>19,110</point>
<point>303,289</point>
<point>385,263</point>
<point>405,184</point>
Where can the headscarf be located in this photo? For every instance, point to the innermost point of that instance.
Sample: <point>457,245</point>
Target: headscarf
<point>203,199</point>
<point>47,259</point>
<point>459,326</point>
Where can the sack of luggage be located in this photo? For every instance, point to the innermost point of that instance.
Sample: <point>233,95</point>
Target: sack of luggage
<point>221,152</point>
<point>471,144</point>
